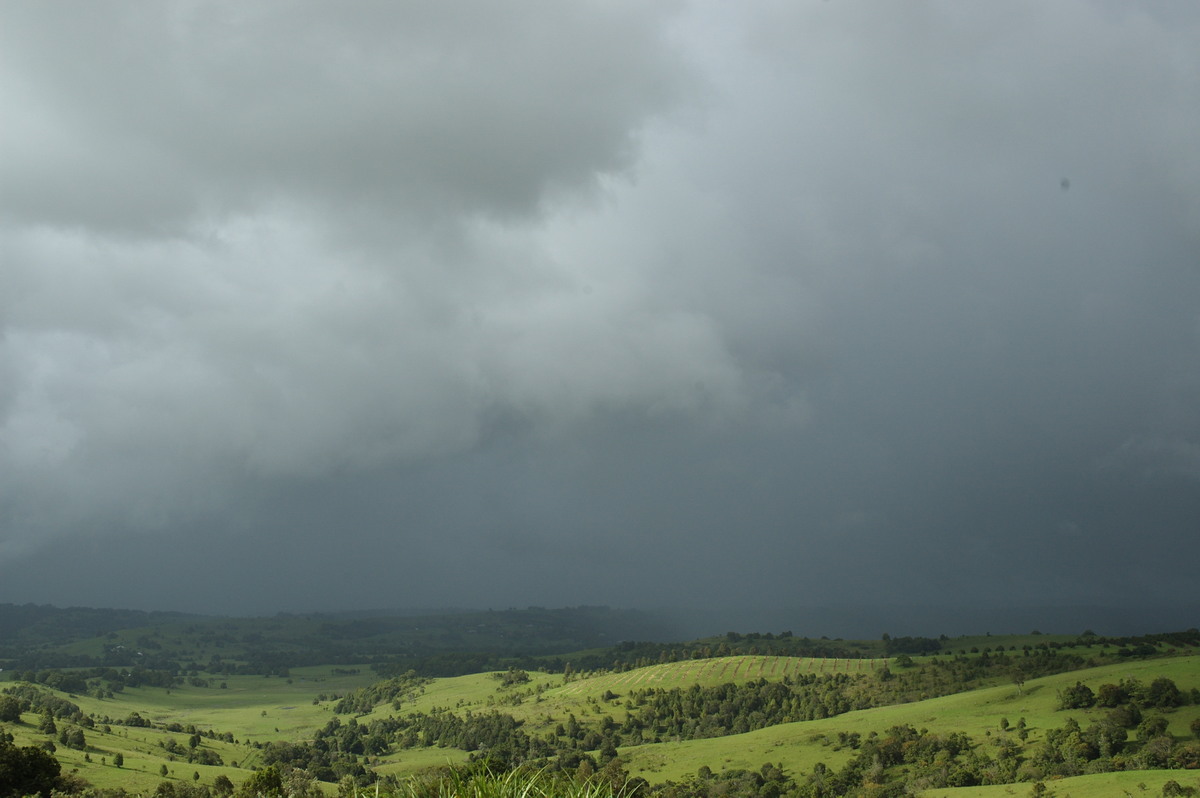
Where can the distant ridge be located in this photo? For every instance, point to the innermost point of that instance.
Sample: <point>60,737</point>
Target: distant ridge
<point>865,622</point>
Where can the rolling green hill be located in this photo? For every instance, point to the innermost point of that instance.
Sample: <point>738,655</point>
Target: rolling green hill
<point>966,710</point>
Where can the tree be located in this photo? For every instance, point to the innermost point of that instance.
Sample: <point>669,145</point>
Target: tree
<point>119,759</point>
<point>26,771</point>
<point>1152,727</point>
<point>1078,697</point>
<point>10,709</point>
<point>265,783</point>
<point>1174,788</point>
<point>1111,695</point>
<point>73,738</point>
<point>1018,678</point>
<point>1163,692</point>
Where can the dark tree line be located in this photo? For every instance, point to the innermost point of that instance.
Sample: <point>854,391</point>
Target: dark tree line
<point>34,699</point>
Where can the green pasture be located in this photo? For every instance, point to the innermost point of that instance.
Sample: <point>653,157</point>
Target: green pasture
<point>710,672</point>
<point>583,697</point>
<point>706,673</point>
<point>415,760</point>
<point>249,707</point>
<point>142,768</point>
<point>977,713</point>
<point>1135,783</point>
<point>797,747</point>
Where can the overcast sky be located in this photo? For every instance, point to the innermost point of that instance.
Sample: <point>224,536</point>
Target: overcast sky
<point>315,306</point>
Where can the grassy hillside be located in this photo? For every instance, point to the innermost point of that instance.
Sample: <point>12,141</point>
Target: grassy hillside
<point>1137,784</point>
<point>978,713</point>
<point>250,708</point>
<point>244,722</point>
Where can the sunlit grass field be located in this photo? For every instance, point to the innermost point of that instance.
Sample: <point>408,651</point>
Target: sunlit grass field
<point>978,713</point>
<point>1137,783</point>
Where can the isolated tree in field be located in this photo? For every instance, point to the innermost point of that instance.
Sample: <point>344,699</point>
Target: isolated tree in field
<point>1018,678</point>
<point>1174,788</point>
<point>73,738</point>
<point>119,759</point>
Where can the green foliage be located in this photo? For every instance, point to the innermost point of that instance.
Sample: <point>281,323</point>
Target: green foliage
<point>910,645</point>
<point>44,702</point>
<point>1080,696</point>
<point>396,689</point>
<point>486,783</point>
<point>73,738</point>
<point>512,677</point>
<point>1174,788</point>
<point>10,709</point>
<point>1163,693</point>
<point>26,770</point>
<point>266,783</point>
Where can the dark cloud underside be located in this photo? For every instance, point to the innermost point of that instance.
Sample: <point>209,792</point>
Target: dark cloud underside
<point>305,306</point>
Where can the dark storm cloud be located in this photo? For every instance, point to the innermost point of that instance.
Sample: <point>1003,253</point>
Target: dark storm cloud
<point>561,303</point>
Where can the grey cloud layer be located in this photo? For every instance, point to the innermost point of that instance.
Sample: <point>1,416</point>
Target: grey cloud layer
<point>142,116</point>
<point>784,295</point>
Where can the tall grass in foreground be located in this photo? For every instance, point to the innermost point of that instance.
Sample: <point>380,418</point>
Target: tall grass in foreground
<point>482,783</point>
